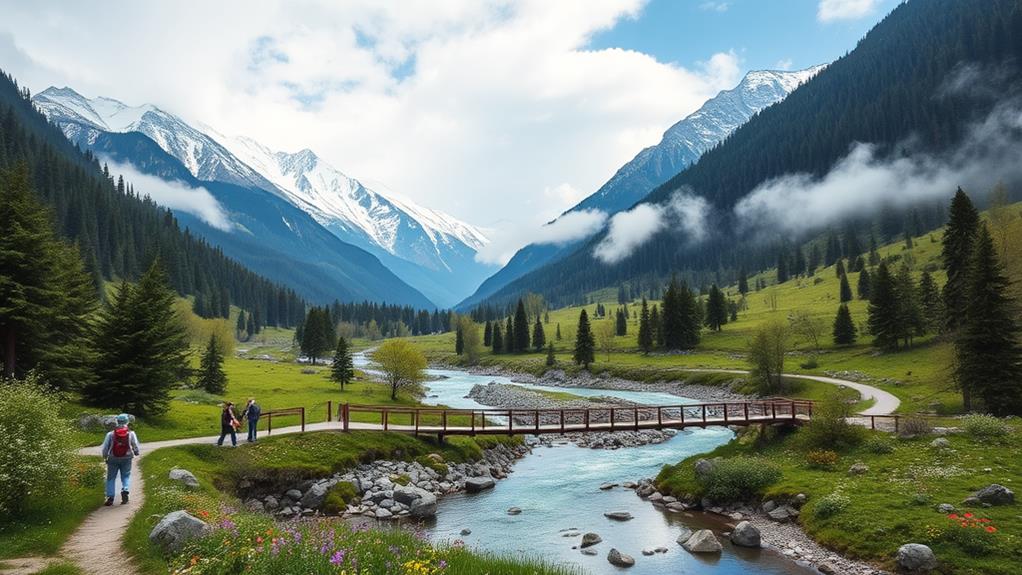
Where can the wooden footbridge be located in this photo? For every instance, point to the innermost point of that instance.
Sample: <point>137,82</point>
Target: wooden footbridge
<point>443,421</point>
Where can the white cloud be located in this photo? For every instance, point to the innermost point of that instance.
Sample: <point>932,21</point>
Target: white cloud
<point>715,6</point>
<point>631,229</point>
<point>784,64</point>
<point>472,107</point>
<point>830,10</point>
<point>568,228</point>
<point>175,195</point>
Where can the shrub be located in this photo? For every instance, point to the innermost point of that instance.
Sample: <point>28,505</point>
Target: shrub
<point>914,426</point>
<point>38,452</point>
<point>739,478</point>
<point>985,426</point>
<point>440,468</point>
<point>338,497</point>
<point>829,428</point>
<point>810,363</point>
<point>974,535</point>
<point>830,505</point>
<point>821,459</point>
<point>401,479</point>
<point>879,445</point>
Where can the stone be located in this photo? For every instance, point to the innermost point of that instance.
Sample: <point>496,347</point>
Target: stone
<point>619,559</point>
<point>176,529</point>
<point>608,486</point>
<point>590,539</point>
<point>618,515</point>
<point>858,468</point>
<point>254,505</point>
<point>382,513</point>
<point>703,468</point>
<point>827,568</point>
<point>315,496</point>
<point>514,511</point>
<point>915,557</point>
<point>971,501</point>
<point>745,534</point>
<point>466,531</point>
<point>780,514</point>
<point>703,541</point>
<point>940,443</point>
<point>184,477</point>
<point>477,484</point>
<point>661,550</point>
<point>95,422</point>
<point>293,494</point>
<point>995,494</point>
<point>798,501</point>
<point>648,551</point>
<point>684,536</point>
<point>589,551</point>
<point>629,485</point>
<point>769,506</point>
<point>946,508</point>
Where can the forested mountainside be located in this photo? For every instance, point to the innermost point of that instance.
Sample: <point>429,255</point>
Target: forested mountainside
<point>899,91</point>
<point>120,232</point>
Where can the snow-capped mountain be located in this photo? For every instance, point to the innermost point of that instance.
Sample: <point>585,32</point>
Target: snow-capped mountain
<point>431,250</point>
<point>683,143</point>
<point>681,146</point>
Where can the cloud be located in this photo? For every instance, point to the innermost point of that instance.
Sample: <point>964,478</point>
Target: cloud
<point>175,195</point>
<point>715,6</point>
<point>864,181</point>
<point>570,227</point>
<point>629,230</point>
<point>831,10</point>
<point>472,107</point>
<point>784,64</point>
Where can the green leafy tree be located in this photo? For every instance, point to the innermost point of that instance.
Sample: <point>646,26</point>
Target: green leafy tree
<point>401,363</point>
<point>142,345</point>
<point>884,310</point>
<point>766,356</point>
<point>844,327</point>
<point>585,343</point>
<point>959,236</point>
<point>471,346</point>
<point>989,358</point>
<point>212,377</point>
<point>342,370</point>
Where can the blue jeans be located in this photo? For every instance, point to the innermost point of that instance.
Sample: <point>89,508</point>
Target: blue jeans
<point>252,425</point>
<point>113,467</point>
<point>224,431</point>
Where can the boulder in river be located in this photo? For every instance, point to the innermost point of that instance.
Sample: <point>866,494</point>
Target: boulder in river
<point>514,511</point>
<point>684,535</point>
<point>618,515</point>
<point>477,484</point>
<point>745,535</point>
<point>703,541</point>
<point>590,539</point>
<point>619,559</point>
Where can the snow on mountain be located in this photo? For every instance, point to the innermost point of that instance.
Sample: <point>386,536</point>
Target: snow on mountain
<point>83,119</point>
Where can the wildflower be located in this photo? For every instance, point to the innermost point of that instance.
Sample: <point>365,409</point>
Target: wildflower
<point>337,558</point>
<point>991,529</point>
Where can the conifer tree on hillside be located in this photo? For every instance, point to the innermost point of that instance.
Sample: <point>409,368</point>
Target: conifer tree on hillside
<point>656,324</point>
<point>846,290</point>
<point>558,331</point>
<point>459,341</point>
<point>874,255</point>
<point>620,324</point>
<point>743,282</point>
<point>884,310</point>
<point>585,343</point>
<point>865,285</point>
<point>959,235</point>
<point>538,336</point>
<point>930,304</point>
<point>844,327</point>
<point>488,334</point>
<point>989,357</point>
<point>46,297</point>
<point>239,327</point>
<point>521,329</point>
<point>498,339</point>
<point>551,359</point>
<point>250,327</point>
<point>142,345</point>
<point>509,336</point>
<point>716,309</point>
<point>645,329</point>
<point>910,318</point>
<point>343,368</point>
<point>813,261</point>
<point>852,248</point>
<point>833,252</point>
<point>211,377</point>
<point>782,268</point>
<point>692,317</point>
<point>840,268</point>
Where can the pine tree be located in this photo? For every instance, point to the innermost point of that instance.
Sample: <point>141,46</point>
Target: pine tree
<point>620,324</point>
<point>814,260</point>
<point>538,336</point>
<point>874,255</point>
<point>143,347</point>
<point>343,368</point>
<point>910,319</point>
<point>846,290</point>
<point>716,309</point>
<point>884,310</point>
<point>459,341</point>
<point>844,327</point>
<point>212,377</point>
<point>250,327</point>
<point>239,327</point>
<point>509,336</point>
<point>782,268</point>
<point>585,343</point>
<point>989,358</point>
<point>798,267</point>
<point>959,235</point>
<point>839,269</point>
<point>852,247</point>
<point>488,334</point>
<point>558,331</point>
<point>521,329</point>
<point>645,329</point>
<point>656,324</point>
<point>551,359</point>
<point>865,284</point>
<point>833,253</point>
<point>498,340</point>
<point>930,303</point>
<point>691,318</point>
<point>743,282</point>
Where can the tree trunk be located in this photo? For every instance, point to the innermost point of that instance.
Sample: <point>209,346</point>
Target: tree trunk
<point>10,357</point>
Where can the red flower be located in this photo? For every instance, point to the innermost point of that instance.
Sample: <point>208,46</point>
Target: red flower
<point>991,529</point>
<point>953,516</point>
<point>968,515</point>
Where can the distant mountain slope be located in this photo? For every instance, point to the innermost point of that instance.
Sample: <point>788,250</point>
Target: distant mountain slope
<point>268,233</point>
<point>682,144</point>
<point>902,83</point>
<point>429,249</point>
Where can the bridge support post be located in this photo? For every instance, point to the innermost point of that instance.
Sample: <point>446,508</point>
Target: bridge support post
<point>345,416</point>
<point>329,410</point>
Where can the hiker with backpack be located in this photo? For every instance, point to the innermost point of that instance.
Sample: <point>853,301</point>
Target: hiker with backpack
<point>251,414</point>
<point>228,425</point>
<point>119,448</point>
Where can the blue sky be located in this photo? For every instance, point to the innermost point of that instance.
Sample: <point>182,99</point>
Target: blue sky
<point>763,33</point>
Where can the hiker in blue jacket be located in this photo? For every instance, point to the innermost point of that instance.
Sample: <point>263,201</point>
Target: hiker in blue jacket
<point>251,414</point>
<point>119,448</point>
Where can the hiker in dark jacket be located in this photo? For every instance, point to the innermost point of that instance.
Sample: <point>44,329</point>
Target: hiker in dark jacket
<point>228,425</point>
<point>119,447</point>
<point>251,414</point>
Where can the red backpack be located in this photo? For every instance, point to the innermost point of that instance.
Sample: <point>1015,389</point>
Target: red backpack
<point>121,442</point>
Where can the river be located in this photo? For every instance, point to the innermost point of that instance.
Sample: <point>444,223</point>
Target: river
<point>557,488</point>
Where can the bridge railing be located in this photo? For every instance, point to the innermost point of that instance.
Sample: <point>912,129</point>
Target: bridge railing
<point>556,420</point>
<point>278,413</point>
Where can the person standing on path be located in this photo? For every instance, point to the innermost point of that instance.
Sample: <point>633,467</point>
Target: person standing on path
<point>228,425</point>
<point>119,448</point>
<point>251,414</point>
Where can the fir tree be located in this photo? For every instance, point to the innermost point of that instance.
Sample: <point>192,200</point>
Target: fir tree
<point>782,268</point>
<point>846,290</point>
<point>250,327</point>
<point>645,329</point>
<point>884,310</point>
<point>656,324</point>
<point>814,260</point>
<point>852,247</point>
<point>558,336</point>
<point>844,327</point>
<point>930,303</point>
<point>551,359</point>
<point>833,253</point>
<point>839,269</point>
<point>509,336</point>
<point>488,334</point>
<point>743,282</point>
<point>498,340</point>
<point>989,358</point>
<point>212,377</point>
<point>538,336</point>
<point>874,255</point>
<point>521,329</point>
<point>865,284</point>
<point>620,324</point>
<point>239,327</point>
<point>910,319</point>
<point>459,341</point>
<point>716,309</point>
<point>343,368</point>
<point>585,343</point>
<point>959,235</point>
